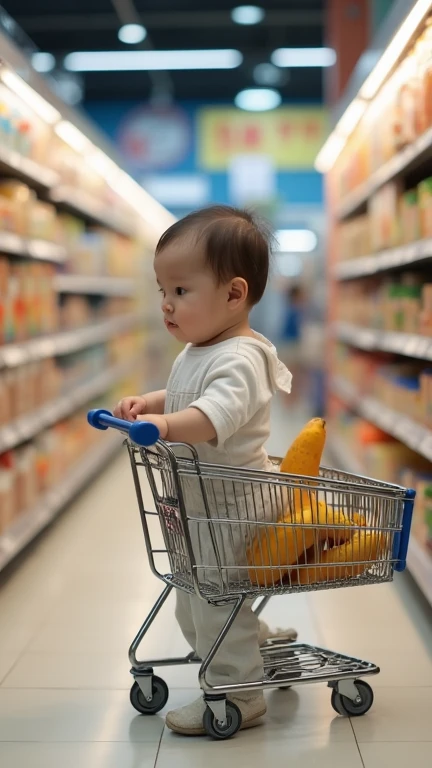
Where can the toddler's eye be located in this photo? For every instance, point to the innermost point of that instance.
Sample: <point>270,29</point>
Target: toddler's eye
<point>161,290</point>
<point>180,291</point>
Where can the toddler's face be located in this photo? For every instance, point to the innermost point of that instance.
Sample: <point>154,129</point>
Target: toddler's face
<point>195,307</point>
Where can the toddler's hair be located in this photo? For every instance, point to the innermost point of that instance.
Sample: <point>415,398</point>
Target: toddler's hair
<point>236,244</point>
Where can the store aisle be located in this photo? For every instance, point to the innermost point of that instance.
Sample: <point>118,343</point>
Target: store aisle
<point>72,605</point>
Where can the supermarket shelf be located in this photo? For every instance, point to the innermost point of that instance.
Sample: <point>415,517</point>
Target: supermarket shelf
<point>102,286</point>
<point>392,258</point>
<point>31,523</point>
<point>82,203</point>
<point>419,562</point>
<point>12,355</point>
<point>28,426</point>
<point>43,250</point>
<point>404,161</point>
<point>408,344</point>
<point>414,435</point>
<point>12,163</point>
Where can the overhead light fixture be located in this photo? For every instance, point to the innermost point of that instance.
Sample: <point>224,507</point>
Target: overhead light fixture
<point>43,62</point>
<point>296,240</point>
<point>258,99</point>
<point>304,57</point>
<point>390,57</point>
<point>132,34</point>
<point>117,61</point>
<point>247,14</point>
<point>31,98</point>
<point>70,134</point>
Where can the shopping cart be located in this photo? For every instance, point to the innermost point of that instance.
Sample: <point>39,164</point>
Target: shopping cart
<point>210,549</point>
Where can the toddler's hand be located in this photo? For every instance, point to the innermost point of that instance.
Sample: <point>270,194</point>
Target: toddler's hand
<point>130,407</point>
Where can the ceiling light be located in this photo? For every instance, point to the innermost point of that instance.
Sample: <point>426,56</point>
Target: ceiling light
<point>116,61</point>
<point>43,62</point>
<point>296,240</point>
<point>392,53</point>
<point>304,57</point>
<point>267,74</point>
<point>32,99</point>
<point>73,136</point>
<point>258,99</point>
<point>132,33</point>
<point>247,14</point>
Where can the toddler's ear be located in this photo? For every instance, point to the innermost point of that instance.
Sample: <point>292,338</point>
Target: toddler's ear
<point>238,292</point>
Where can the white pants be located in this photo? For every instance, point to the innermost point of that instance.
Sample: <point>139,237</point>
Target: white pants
<point>238,660</point>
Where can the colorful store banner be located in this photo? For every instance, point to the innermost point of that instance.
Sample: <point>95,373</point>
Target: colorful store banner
<point>290,137</point>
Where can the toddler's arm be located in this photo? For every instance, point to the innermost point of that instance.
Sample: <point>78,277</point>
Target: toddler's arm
<point>130,407</point>
<point>187,426</point>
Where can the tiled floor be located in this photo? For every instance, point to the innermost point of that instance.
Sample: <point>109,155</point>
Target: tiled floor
<point>69,609</point>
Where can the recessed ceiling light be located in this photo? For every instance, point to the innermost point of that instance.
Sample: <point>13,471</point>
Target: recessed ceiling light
<point>296,240</point>
<point>132,33</point>
<point>43,62</point>
<point>304,57</point>
<point>128,61</point>
<point>258,99</point>
<point>247,14</point>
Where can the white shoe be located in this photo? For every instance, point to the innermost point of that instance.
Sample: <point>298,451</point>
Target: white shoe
<point>189,720</point>
<point>265,633</point>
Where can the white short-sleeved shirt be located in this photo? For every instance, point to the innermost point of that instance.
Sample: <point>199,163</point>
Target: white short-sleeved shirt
<point>233,383</point>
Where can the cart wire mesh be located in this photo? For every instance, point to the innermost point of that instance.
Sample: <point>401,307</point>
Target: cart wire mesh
<point>222,532</point>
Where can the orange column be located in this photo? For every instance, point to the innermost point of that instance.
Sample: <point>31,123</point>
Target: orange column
<point>348,32</point>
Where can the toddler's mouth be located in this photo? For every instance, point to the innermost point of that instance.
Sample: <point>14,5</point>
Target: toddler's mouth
<point>170,325</point>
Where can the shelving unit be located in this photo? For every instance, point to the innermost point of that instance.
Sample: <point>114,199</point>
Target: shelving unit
<point>66,342</point>
<point>29,425</point>
<point>61,180</point>
<point>410,158</point>
<point>34,174</point>
<point>98,286</point>
<point>412,254</point>
<point>413,435</point>
<point>407,344</point>
<point>14,245</point>
<point>90,208</point>
<point>379,182</point>
<point>32,522</point>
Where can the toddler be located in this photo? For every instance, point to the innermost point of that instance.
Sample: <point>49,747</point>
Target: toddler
<point>212,268</point>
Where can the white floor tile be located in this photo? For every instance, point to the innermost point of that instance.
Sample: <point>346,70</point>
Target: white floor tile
<point>102,754</point>
<point>243,752</point>
<point>7,660</point>
<point>397,754</point>
<point>69,715</point>
<point>401,714</point>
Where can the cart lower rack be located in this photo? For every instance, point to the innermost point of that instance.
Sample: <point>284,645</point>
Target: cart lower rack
<point>229,534</point>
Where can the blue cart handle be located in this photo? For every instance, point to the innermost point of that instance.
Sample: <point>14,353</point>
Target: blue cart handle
<point>142,433</point>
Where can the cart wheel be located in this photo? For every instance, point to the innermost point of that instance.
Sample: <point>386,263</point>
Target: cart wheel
<point>217,731</point>
<point>160,697</point>
<point>347,708</point>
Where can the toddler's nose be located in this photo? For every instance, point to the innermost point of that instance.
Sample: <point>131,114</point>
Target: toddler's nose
<point>167,308</point>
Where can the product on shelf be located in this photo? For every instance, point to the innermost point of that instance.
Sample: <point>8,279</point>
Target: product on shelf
<point>402,303</point>
<point>33,469</point>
